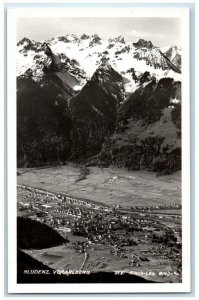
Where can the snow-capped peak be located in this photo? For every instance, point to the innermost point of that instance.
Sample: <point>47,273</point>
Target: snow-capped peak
<point>84,37</point>
<point>141,43</point>
<point>118,39</point>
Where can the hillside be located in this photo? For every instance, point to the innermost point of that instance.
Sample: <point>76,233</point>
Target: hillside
<point>148,132</point>
<point>94,112</point>
<point>35,235</point>
<point>43,123</point>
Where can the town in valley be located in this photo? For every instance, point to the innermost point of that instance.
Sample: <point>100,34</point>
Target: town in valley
<point>138,239</point>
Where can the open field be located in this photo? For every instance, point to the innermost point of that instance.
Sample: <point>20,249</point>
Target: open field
<point>110,186</point>
<point>60,257</point>
<point>103,258</point>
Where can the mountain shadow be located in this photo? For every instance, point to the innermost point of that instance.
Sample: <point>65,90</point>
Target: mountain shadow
<point>43,123</point>
<point>93,114</point>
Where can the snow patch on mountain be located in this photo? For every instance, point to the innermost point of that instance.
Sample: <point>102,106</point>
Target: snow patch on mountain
<point>82,56</point>
<point>175,101</point>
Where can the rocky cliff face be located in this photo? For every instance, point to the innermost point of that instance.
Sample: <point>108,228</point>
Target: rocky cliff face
<point>174,55</point>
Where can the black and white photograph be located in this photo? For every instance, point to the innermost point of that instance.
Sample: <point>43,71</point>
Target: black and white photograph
<point>99,150</point>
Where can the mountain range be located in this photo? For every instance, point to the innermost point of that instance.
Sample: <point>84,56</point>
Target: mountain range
<point>102,101</point>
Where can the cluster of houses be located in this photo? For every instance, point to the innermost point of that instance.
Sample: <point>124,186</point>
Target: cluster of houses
<point>146,208</point>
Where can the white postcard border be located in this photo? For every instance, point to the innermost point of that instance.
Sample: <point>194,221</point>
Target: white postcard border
<point>13,14</point>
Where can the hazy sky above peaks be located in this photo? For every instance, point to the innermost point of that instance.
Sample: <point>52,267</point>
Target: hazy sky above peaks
<point>160,31</point>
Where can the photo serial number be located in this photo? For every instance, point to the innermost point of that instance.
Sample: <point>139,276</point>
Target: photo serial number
<point>148,273</point>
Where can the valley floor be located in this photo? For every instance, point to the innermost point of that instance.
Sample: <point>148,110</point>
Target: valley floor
<point>110,186</point>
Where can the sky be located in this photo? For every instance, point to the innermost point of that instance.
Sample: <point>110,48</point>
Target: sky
<point>160,31</point>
